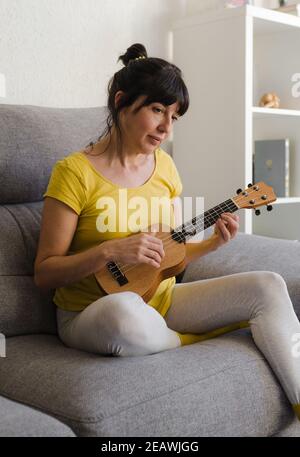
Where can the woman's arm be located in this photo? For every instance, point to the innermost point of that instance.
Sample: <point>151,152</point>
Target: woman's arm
<point>198,249</point>
<point>53,268</point>
<point>225,229</point>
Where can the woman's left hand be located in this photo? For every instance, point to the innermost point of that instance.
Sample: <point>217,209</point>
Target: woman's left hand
<point>226,228</point>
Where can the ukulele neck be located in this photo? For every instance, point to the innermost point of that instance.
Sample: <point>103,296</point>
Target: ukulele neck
<point>199,223</point>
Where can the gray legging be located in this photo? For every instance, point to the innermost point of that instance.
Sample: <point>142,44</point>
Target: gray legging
<point>122,324</point>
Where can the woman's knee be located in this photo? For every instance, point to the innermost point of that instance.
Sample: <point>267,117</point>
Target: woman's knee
<point>124,306</point>
<point>128,326</point>
<point>269,287</point>
<point>128,317</point>
<point>268,281</point>
<point>139,328</point>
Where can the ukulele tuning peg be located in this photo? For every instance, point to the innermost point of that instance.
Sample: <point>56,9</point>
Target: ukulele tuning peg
<point>269,207</point>
<point>239,191</point>
<point>257,212</point>
<point>250,185</point>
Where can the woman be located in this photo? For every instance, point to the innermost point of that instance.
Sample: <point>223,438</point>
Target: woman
<point>145,98</point>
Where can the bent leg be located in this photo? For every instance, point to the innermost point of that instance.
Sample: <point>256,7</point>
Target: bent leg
<point>120,324</point>
<point>260,297</point>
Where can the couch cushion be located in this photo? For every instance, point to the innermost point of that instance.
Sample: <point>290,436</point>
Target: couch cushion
<point>33,138</point>
<point>249,253</point>
<point>219,387</point>
<point>24,309</point>
<point>18,420</point>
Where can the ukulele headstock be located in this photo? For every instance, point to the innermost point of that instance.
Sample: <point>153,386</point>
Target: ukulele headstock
<point>255,195</point>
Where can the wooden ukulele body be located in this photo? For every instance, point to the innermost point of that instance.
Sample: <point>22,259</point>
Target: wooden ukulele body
<point>143,278</point>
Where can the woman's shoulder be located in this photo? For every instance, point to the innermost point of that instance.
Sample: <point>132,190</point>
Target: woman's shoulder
<point>164,157</point>
<point>169,171</point>
<point>165,160</point>
<point>71,160</point>
<point>74,162</point>
<point>71,168</point>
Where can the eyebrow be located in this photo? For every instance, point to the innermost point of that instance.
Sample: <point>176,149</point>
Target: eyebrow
<point>166,106</point>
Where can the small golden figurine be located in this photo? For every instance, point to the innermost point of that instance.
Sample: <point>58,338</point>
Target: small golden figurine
<point>269,100</point>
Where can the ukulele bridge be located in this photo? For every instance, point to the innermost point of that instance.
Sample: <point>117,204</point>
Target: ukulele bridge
<point>117,273</point>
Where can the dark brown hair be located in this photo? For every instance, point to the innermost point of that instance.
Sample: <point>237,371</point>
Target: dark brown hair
<point>160,81</point>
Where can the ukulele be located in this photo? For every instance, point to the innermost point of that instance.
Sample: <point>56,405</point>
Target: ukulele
<point>144,279</point>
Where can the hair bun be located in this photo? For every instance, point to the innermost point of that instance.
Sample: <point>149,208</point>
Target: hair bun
<point>134,51</point>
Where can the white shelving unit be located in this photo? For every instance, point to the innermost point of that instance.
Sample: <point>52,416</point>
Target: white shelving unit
<point>229,59</point>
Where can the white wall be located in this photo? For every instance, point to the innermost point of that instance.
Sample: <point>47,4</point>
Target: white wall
<point>62,53</point>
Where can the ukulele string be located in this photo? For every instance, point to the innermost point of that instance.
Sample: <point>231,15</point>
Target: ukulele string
<point>169,239</point>
<point>198,225</point>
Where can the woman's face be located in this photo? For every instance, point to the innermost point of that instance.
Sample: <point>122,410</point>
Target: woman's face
<point>153,121</point>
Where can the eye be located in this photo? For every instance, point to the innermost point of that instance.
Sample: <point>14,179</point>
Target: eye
<point>159,109</point>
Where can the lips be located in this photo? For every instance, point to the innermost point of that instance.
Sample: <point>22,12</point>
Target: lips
<point>155,138</point>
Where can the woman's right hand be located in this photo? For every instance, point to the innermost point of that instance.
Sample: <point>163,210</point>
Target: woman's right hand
<point>142,247</point>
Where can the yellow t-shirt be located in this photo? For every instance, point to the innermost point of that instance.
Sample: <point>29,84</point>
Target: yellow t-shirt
<point>108,211</point>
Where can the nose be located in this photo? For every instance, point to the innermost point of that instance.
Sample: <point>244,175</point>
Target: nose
<point>166,125</point>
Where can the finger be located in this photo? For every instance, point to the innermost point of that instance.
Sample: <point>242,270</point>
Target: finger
<point>157,247</point>
<point>228,226</point>
<point>150,257</point>
<point>156,243</point>
<point>227,217</point>
<point>153,238</point>
<point>225,233</point>
<point>232,227</point>
<point>155,258</point>
<point>152,262</point>
<point>232,223</point>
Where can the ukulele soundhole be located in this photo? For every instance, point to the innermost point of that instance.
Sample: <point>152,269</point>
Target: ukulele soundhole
<point>117,273</point>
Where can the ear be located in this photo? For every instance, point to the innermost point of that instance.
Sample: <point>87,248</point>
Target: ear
<point>118,97</point>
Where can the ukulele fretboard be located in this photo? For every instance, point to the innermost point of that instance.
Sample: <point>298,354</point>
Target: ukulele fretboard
<point>199,223</point>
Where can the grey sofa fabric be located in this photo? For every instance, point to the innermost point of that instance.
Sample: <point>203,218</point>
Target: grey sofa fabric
<point>22,421</point>
<point>33,138</point>
<point>219,387</point>
<point>24,308</point>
